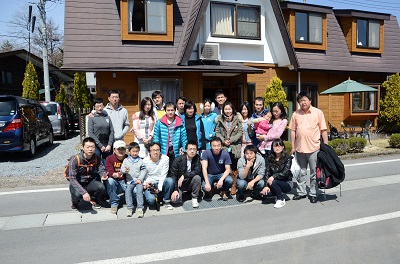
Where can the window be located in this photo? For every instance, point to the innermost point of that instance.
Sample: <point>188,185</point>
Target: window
<point>6,77</point>
<point>364,101</point>
<point>147,20</point>
<point>149,16</point>
<point>237,21</point>
<point>308,27</point>
<point>170,88</point>
<point>368,33</point>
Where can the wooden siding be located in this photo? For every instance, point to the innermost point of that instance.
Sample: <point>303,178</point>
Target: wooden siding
<point>93,36</point>
<point>312,46</point>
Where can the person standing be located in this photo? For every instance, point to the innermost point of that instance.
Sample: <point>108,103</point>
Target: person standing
<point>159,106</point>
<point>230,130</point>
<point>118,115</point>
<point>180,106</point>
<point>248,131</point>
<point>259,112</point>
<point>100,128</point>
<point>143,125</point>
<point>220,98</point>
<point>185,172</point>
<point>193,125</point>
<point>208,117</point>
<point>170,133</point>
<point>307,127</point>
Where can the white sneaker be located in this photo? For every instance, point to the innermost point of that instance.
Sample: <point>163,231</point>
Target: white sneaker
<point>168,206</point>
<point>195,203</point>
<point>279,204</point>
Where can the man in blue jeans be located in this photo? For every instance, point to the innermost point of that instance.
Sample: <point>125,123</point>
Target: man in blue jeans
<point>251,169</point>
<point>157,166</point>
<point>216,166</point>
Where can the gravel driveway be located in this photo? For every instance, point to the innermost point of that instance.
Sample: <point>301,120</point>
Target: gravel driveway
<point>46,168</point>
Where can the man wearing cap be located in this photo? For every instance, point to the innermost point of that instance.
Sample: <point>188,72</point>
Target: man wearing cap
<point>115,183</point>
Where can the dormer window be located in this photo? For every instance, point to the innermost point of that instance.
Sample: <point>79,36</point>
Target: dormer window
<point>308,27</point>
<point>368,33</point>
<point>235,21</point>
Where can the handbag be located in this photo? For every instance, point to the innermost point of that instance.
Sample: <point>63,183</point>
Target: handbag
<point>295,168</point>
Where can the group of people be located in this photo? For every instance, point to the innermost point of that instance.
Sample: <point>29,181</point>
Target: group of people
<point>177,151</point>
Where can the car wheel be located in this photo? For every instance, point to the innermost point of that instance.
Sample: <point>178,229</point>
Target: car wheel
<point>32,148</point>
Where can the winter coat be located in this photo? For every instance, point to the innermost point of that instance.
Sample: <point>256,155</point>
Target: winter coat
<point>179,168</point>
<point>179,138</point>
<point>235,136</point>
<point>199,131</point>
<point>209,127</point>
<point>331,163</point>
<point>280,170</point>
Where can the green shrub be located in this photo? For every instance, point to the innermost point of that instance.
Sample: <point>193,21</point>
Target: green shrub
<point>340,146</point>
<point>357,144</point>
<point>394,141</point>
<point>288,146</point>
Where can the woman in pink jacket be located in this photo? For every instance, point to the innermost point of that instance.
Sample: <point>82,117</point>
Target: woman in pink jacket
<point>143,125</point>
<point>279,123</point>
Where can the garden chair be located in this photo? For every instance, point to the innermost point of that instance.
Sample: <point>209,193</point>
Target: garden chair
<point>366,130</point>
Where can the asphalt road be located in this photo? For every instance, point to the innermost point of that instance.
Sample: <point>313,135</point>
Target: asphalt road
<point>362,226</point>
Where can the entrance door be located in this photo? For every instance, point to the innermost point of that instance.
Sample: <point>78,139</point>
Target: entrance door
<point>232,89</point>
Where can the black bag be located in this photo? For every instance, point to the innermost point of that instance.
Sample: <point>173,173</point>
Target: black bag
<point>324,180</point>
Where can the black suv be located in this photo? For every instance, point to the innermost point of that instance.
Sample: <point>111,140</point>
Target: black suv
<point>24,125</point>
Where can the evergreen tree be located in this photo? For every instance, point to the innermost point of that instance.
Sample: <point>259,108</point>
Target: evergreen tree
<point>81,92</point>
<point>389,114</point>
<point>61,97</point>
<point>7,46</point>
<point>30,84</point>
<point>274,93</point>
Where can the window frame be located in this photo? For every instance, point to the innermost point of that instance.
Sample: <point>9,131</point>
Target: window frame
<point>146,36</point>
<point>367,32</point>
<point>308,28</point>
<point>235,22</point>
<point>363,99</point>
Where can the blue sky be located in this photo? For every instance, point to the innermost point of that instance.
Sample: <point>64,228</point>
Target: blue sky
<point>55,9</point>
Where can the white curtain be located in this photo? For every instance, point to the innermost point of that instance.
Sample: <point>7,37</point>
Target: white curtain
<point>170,88</point>
<point>222,20</point>
<point>248,21</point>
<point>130,14</point>
<point>315,21</point>
<point>373,38</point>
<point>371,100</point>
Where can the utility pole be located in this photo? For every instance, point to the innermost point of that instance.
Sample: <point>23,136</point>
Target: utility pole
<point>30,25</point>
<point>42,9</point>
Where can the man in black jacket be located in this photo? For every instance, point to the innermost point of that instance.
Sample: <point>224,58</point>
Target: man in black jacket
<point>185,171</point>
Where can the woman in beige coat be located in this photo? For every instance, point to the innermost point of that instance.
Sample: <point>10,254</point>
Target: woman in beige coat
<point>230,130</point>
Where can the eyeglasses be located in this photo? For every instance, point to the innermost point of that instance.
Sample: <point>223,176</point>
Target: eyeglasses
<point>278,145</point>
<point>154,150</point>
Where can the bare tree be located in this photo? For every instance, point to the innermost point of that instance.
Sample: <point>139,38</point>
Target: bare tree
<point>6,46</point>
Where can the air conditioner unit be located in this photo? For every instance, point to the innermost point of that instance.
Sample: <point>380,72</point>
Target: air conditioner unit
<point>209,51</point>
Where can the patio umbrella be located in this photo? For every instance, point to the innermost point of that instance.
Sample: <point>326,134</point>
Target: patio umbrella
<point>349,86</point>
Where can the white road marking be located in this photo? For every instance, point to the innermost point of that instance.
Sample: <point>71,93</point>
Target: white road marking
<point>371,162</point>
<point>36,191</point>
<point>187,252</point>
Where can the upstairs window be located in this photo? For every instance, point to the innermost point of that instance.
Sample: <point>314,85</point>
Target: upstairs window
<point>148,16</point>
<point>237,21</point>
<point>308,27</point>
<point>368,33</point>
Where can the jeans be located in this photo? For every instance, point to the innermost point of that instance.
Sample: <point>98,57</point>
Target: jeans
<point>134,190</point>
<point>241,186</point>
<point>215,178</point>
<point>167,189</point>
<point>279,187</point>
<point>94,188</point>
<point>304,160</point>
<point>115,187</point>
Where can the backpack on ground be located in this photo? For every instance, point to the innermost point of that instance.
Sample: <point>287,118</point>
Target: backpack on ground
<point>330,170</point>
<point>78,158</point>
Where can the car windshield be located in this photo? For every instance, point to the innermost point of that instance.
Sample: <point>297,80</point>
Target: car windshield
<point>51,109</point>
<point>7,106</point>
